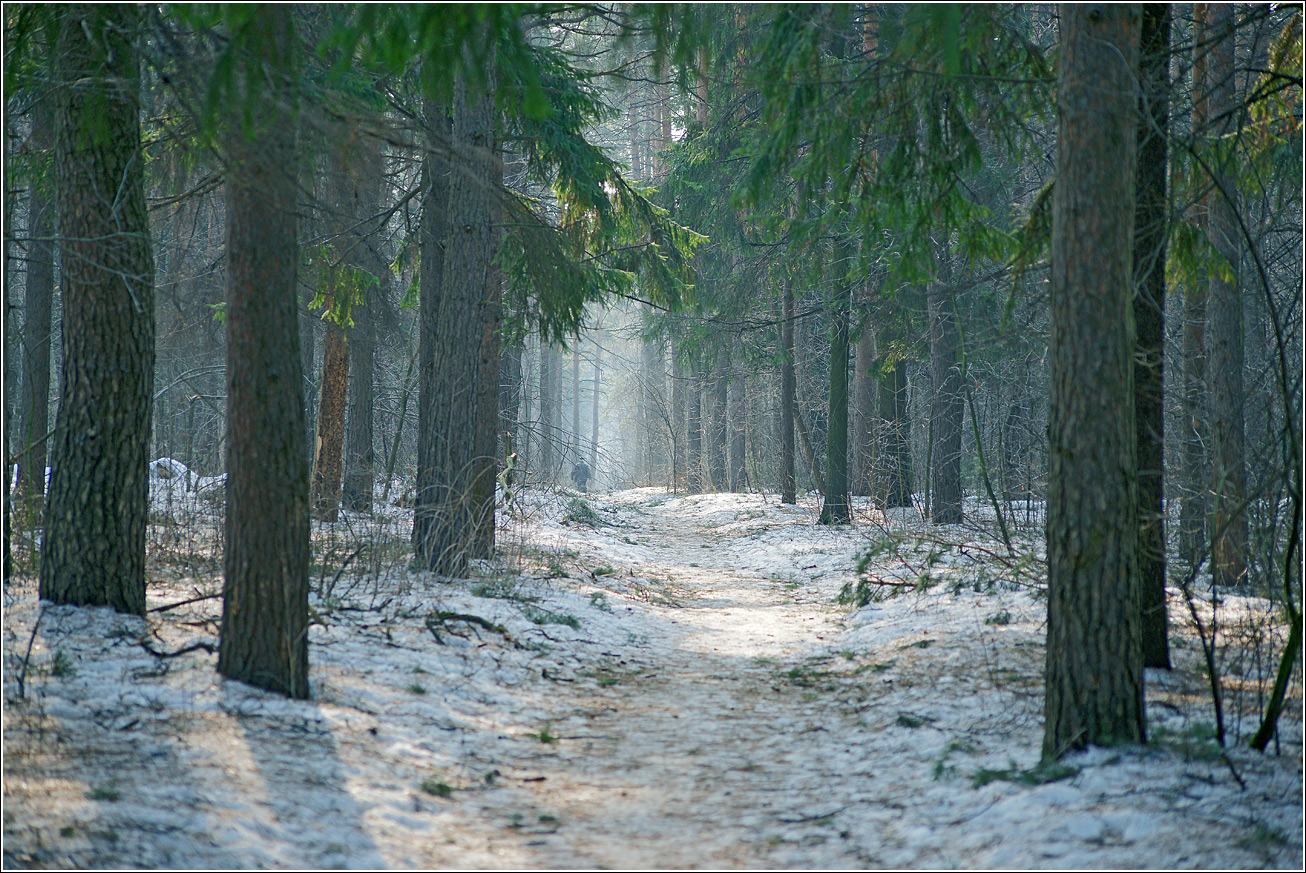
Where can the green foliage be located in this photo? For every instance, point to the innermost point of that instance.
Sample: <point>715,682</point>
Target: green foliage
<point>1048,771</point>
<point>436,788</point>
<point>340,286</point>
<point>580,512</point>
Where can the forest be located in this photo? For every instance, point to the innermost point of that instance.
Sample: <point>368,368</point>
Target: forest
<point>653,435</point>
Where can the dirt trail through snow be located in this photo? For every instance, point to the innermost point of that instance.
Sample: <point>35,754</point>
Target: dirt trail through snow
<point>684,755</point>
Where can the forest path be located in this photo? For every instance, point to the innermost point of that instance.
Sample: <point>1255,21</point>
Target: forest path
<point>688,750</point>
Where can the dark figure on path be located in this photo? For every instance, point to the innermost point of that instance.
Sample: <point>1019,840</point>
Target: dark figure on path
<point>580,474</point>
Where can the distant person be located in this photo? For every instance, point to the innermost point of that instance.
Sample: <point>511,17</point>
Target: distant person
<point>580,474</point>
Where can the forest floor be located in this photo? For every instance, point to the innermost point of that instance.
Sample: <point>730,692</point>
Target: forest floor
<point>658,682</point>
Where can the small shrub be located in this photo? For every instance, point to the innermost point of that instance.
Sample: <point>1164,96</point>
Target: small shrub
<point>103,793</point>
<point>599,601</point>
<point>857,596</point>
<point>544,616</point>
<point>62,665</point>
<point>579,512</point>
<point>436,788</point>
<point>999,618</point>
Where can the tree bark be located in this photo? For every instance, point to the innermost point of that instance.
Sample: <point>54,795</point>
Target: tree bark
<point>716,456</point>
<point>738,422</point>
<point>1225,332</point>
<point>893,464</point>
<point>328,444</point>
<point>93,549</point>
<point>694,435</point>
<point>864,448</point>
<point>1094,677</point>
<point>434,233</point>
<point>1194,466</point>
<point>946,409</point>
<point>265,589</point>
<point>788,482</point>
<point>489,420</point>
<point>835,508</point>
<point>460,328</point>
<point>34,402</point>
<point>1149,320</point>
<point>548,404</point>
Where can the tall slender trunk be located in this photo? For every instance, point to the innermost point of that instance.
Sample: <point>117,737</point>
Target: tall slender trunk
<point>328,445</point>
<point>1194,467</point>
<point>788,483</point>
<point>1225,336</point>
<point>694,435</point>
<point>594,405</point>
<point>893,470</point>
<point>835,508</point>
<point>1149,323</point>
<point>863,444</point>
<point>488,420</point>
<point>433,233</point>
<point>946,409</point>
<point>548,400</point>
<point>34,401</point>
<point>738,423</point>
<point>717,433</point>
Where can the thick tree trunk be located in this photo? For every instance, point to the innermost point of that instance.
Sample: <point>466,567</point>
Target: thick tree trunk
<point>434,227</point>
<point>93,550</point>
<point>1094,678</point>
<point>947,406</point>
<point>460,328</point>
<point>34,402</point>
<point>788,482</point>
<point>265,589</point>
<point>1149,322</point>
<point>329,443</point>
<point>1225,334</point>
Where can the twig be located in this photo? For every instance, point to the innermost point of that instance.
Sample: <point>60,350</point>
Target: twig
<point>168,606</point>
<point>193,647</point>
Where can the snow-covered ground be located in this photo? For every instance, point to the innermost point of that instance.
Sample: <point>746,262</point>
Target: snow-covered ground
<point>674,684</point>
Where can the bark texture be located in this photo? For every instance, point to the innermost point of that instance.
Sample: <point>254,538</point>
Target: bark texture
<point>32,446</point>
<point>435,207</point>
<point>93,550</point>
<point>1149,321</point>
<point>1094,677</point>
<point>788,482</point>
<point>329,443</point>
<point>835,507</point>
<point>459,338</point>
<point>265,592</point>
<point>947,407</point>
<point>1225,350</point>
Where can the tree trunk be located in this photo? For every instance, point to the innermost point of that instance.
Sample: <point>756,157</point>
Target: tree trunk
<point>265,589</point>
<point>863,415</point>
<point>1194,466</point>
<point>738,422</point>
<point>548,403</point>
<point>433,230</point>
<point>1149,323</point>
<point>93,550</point>
<point>835,508</point>
<point>893,465</point>
<point>328,445</point>
<point>788,483</point>
<point>594,406</point>
<point>716,456</point>
<point>1094,678</point>
<point>946,409</point>
<point>489,423</point>
<point>34,402</point>
<point>469,257</point>
<point>360,455</point>
<point>694,435</point>
<point>1225,333</point>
